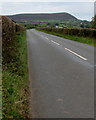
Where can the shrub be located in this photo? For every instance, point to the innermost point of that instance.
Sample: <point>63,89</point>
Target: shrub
<point>71,31</point>
<point>9,30</point>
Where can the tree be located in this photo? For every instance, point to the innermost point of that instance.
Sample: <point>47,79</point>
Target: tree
<point>94,22</point>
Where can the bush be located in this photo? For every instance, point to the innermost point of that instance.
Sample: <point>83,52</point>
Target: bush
<point>71,31</point>
<point>9,49</point>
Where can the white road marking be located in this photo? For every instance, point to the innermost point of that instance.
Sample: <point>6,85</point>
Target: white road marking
<point>75,53</point>
<point>55,42</point>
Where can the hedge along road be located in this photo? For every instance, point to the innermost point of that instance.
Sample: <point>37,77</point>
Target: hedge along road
<point>61,75</point>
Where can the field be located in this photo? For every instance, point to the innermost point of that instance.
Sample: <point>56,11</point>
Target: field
<point>57,23</point>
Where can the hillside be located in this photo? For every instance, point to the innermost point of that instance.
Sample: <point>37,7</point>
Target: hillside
<point>34,17</point>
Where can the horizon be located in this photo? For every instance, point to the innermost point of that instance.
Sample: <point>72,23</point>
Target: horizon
<point>42,13</point>
<point>72,8</point>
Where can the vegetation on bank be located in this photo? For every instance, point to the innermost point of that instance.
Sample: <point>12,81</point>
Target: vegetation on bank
<point>82,39</point>
<point>0,68</point>
<point>94,22</point>
<point>15,81</point>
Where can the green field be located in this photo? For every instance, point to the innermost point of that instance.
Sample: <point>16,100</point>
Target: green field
<point>59,23</point>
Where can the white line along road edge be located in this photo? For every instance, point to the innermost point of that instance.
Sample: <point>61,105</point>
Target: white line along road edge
<point>55,42</point>
<point>75,53</point>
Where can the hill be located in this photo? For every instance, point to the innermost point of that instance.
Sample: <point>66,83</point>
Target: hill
<point>34,17</point>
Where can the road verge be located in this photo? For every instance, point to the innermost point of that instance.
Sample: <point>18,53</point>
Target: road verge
<point>87,40</point>
<point>15,81</point>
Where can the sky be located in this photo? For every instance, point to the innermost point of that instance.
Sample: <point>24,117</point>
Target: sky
<point>81,10</point>
<point>47,0</point>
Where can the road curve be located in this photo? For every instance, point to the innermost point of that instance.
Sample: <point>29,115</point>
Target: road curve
<point>62,77</point>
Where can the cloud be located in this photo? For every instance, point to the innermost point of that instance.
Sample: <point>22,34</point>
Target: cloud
<point>0,8</point>
<point>73,8</point>
<point>47,0</point>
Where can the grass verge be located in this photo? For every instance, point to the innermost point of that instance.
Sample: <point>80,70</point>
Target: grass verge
<point>86,40</point>
<point>15,83</point>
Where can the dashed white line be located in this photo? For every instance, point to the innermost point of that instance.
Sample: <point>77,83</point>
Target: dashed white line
<point>76,54</point>
<point>55,42</point>
<point>68,49</point>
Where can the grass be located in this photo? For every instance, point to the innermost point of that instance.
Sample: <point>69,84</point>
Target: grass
<point>60,23</point>
<point>15,84</point>
<point>86,40</point>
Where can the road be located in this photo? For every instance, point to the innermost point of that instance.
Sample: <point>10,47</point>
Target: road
<point>62,77</point>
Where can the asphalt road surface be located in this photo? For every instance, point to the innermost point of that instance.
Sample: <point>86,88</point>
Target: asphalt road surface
<point>62,77</point>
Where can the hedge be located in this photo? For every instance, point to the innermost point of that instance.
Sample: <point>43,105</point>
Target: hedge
<point>71,31</point>
<point>9,31</point>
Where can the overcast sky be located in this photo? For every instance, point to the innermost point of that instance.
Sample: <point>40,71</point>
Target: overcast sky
<point>81,10</point>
